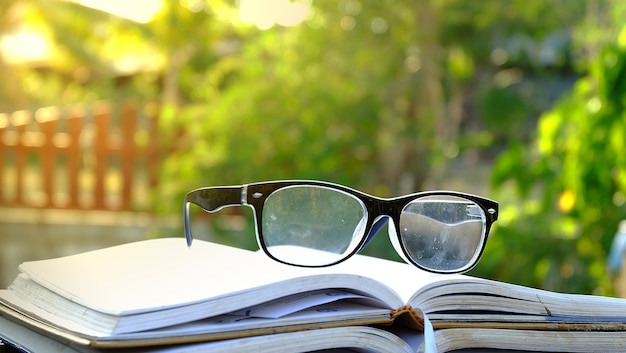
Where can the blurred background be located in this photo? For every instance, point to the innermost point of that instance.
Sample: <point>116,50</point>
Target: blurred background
<point>111,110</point>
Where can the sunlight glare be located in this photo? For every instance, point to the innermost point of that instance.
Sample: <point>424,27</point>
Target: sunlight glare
<point>267,13</point>
<point>24,47</point>
<point>140,11</point>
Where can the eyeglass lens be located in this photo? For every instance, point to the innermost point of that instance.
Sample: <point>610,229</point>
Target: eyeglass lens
<point>443,233</point>
<point>312,225</point>
<point>316,226</point>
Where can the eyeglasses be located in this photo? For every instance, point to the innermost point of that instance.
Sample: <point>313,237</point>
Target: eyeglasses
<point>317,224</point>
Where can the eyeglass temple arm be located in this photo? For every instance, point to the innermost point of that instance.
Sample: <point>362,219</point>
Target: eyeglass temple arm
<point>211,199</point>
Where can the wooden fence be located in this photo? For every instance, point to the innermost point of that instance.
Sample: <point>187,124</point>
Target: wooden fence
<point>100,157</point>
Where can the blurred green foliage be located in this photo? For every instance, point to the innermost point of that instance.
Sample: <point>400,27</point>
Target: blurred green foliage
<point>389,97</point>
<point>572,184</point>
<point>379,95</point>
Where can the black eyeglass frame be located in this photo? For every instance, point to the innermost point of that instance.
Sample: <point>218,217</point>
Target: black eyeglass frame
<point>379,211</point>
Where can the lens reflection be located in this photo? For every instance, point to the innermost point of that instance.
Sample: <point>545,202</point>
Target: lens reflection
<point>442,233</point>
<point>312,225</point>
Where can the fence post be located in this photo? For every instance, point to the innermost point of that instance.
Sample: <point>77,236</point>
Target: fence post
<point>101,125</point>
<point>47,119</point>
<point>20,119</point>
<point>74,155</point>
<point>127,152</point>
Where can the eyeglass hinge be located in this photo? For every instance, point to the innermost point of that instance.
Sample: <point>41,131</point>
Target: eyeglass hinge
<point>244,195</point>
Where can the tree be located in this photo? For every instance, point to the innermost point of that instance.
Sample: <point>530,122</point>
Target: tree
<point>89,55</point>
<point>374,96</point>
<point>385,96</point>
<point>571,183</point>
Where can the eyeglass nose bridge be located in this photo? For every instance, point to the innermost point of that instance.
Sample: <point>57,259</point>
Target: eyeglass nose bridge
<point>382,211</point>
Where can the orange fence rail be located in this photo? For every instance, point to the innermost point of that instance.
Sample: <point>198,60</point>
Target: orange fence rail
<point>101,157</point>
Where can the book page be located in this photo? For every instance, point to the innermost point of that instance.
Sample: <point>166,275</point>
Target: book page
<point>356,338</point>
<point>331,314</point>
<point>531,340</point>
<point>161,282</point>
<point>404,279</point>
<point>123,280</point>
<point>126,278</point>
<point>296,302</point>
<point>464,297</point>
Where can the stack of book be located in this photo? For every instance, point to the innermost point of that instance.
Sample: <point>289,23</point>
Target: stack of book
<point>161,296</point>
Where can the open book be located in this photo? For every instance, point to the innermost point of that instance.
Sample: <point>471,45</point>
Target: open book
<point>159,292</point>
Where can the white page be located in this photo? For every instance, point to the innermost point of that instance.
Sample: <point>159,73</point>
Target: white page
<point>161,282</point>
<point>124,279</point>
<point>366,339</point>
<point>294,303</point>
<point>127,278</point>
